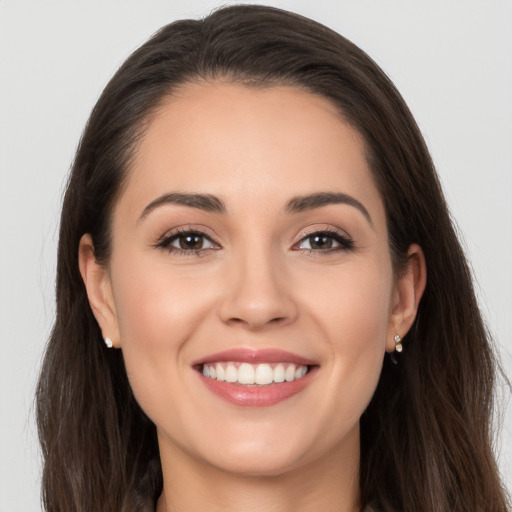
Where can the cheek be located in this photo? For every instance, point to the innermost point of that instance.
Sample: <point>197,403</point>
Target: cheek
<point>157,313</point>
<point>352,303</point>
<point>149,309</point>
<point>353,314</point>
<point>156,302</point>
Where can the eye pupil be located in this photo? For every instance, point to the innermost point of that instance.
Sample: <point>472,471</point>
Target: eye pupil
<point>320,242</point>
<point>191,242</point>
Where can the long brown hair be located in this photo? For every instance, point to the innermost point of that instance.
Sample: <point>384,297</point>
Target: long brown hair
<point>426,435</point>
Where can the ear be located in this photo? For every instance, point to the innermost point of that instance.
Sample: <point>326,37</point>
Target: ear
<point>99,290</point>
<point>407,294</point>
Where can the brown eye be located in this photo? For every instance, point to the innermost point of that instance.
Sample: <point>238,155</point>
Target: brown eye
<point>320,242</point>
<point>188,242</point>
<point>325,241</point>
<point>191,242</point>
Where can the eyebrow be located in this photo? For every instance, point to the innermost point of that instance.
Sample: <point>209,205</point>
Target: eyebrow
<point>205,202</point>
<point>210,203</point>
<point>311,201</point>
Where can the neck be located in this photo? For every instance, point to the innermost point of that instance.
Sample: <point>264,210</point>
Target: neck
<point>330,484</point>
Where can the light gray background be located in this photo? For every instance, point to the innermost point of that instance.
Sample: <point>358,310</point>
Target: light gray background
<point>450,59</point>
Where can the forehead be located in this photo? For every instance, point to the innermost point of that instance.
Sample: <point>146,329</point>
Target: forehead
<point>233,141</point>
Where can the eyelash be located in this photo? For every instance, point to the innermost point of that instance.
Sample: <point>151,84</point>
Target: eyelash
<point>166,241</point>
<point>343,239</point>
<point>340,237</point>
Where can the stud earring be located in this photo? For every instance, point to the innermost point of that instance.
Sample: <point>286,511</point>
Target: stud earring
<point>109,343</point>
<point>398,343</point>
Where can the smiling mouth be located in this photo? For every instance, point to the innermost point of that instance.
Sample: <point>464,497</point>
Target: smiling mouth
<point>246,377</point>
<point>247,374</point>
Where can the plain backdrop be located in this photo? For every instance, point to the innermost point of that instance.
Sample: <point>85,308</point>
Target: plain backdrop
<point>450,59</point>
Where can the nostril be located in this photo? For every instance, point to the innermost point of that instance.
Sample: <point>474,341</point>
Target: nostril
<point>255,322</point>
<point>255,297</point>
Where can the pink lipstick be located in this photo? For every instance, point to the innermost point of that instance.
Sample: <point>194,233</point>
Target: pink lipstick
<point>255,378</point>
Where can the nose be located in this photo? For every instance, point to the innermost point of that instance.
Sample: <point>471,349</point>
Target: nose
<point>258,293</point>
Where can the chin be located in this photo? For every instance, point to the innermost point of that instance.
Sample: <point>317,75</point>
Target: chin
<point>264,454</point>
<point>262,464</point>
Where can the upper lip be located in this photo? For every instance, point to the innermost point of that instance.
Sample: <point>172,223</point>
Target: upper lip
<point>255,356</point>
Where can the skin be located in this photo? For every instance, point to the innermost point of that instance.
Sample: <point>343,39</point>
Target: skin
<point>255,283</point>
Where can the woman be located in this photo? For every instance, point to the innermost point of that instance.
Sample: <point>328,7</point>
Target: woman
<point>250,220</point>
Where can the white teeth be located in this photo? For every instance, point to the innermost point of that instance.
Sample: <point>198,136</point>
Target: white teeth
<point>221,373</point>
<point>289,374</point>
<point>279,373</point>
<point>246,374</point>
<point>231,373</point>
<point>250,374</point>
<point>264,374</point>
<point>299,372</point>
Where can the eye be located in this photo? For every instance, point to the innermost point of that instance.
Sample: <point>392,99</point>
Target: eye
<point>325,241</point>
<point>191,242</point>
<point>187,242</point>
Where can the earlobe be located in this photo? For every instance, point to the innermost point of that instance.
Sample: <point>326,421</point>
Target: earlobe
<point>99,290</point>
<point>409,289</point>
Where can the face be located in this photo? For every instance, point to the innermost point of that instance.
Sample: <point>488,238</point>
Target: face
<point>250,285</point>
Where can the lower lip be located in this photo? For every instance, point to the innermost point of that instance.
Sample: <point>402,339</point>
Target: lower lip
<point>257,396</point>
